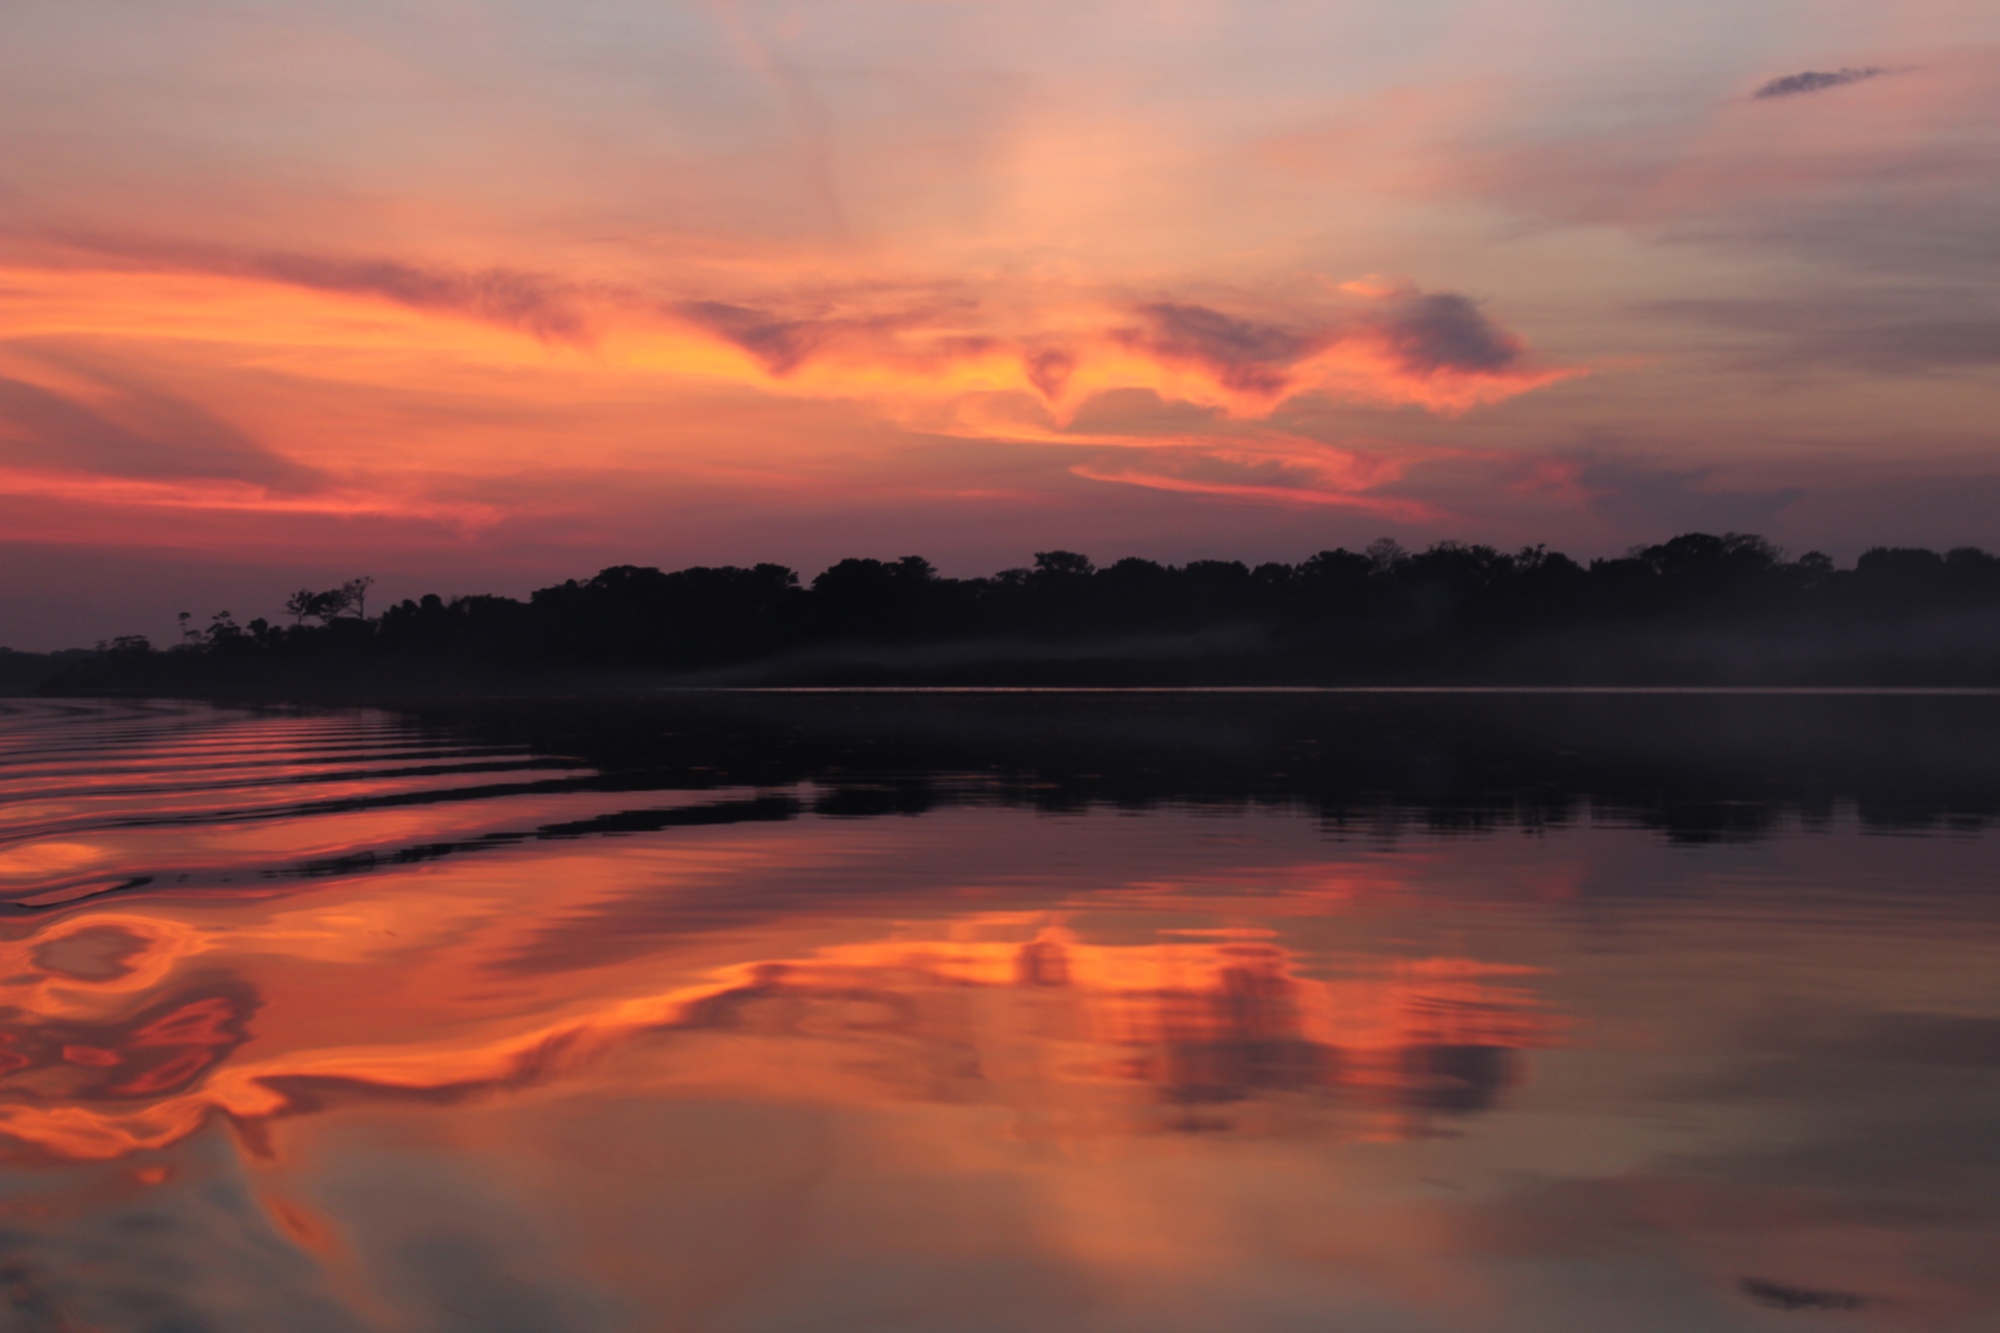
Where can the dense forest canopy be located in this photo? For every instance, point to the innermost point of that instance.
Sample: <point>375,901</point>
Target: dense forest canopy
<point>1381,612</point>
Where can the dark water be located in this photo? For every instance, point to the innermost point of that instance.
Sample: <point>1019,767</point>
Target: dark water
<point>1021,1012</point>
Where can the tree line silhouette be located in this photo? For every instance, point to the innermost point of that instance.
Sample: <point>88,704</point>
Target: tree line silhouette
<point>1696,608</point>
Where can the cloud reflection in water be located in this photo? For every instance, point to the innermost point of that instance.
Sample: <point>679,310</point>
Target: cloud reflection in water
<point>977,1067</point>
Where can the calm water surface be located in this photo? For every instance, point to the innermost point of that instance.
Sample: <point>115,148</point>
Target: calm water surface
<point>824,1014</point>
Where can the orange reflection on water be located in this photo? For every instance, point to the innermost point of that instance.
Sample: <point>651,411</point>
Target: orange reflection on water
<point>1204,1030</point>
<point>129,1030</point>
<point>542,1053</point>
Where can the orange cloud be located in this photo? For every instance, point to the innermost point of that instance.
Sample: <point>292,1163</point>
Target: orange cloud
<point>1439,351</point>
<point>229,497</point>
<point>275,358</point>
<point>867,338</point>
<point>1266,467</point>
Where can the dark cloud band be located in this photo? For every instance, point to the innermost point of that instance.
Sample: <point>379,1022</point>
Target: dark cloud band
<point>1813,80</point>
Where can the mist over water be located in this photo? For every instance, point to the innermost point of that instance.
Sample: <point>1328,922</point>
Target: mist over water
<point>992,1012</point>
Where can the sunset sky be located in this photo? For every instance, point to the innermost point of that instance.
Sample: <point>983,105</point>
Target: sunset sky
<point>477,295</point>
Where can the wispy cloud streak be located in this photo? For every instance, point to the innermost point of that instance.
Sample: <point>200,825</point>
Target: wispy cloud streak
<point>1813,81</point>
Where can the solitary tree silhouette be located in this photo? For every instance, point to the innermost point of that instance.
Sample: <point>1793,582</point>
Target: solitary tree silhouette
<point>356,591</point>
<point>321,606</point>
<point>1063,565</point>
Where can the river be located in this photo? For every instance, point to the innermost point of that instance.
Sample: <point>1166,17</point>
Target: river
<point>1068,1011</point>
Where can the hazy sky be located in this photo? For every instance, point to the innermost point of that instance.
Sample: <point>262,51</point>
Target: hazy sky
<point>481,294</point>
